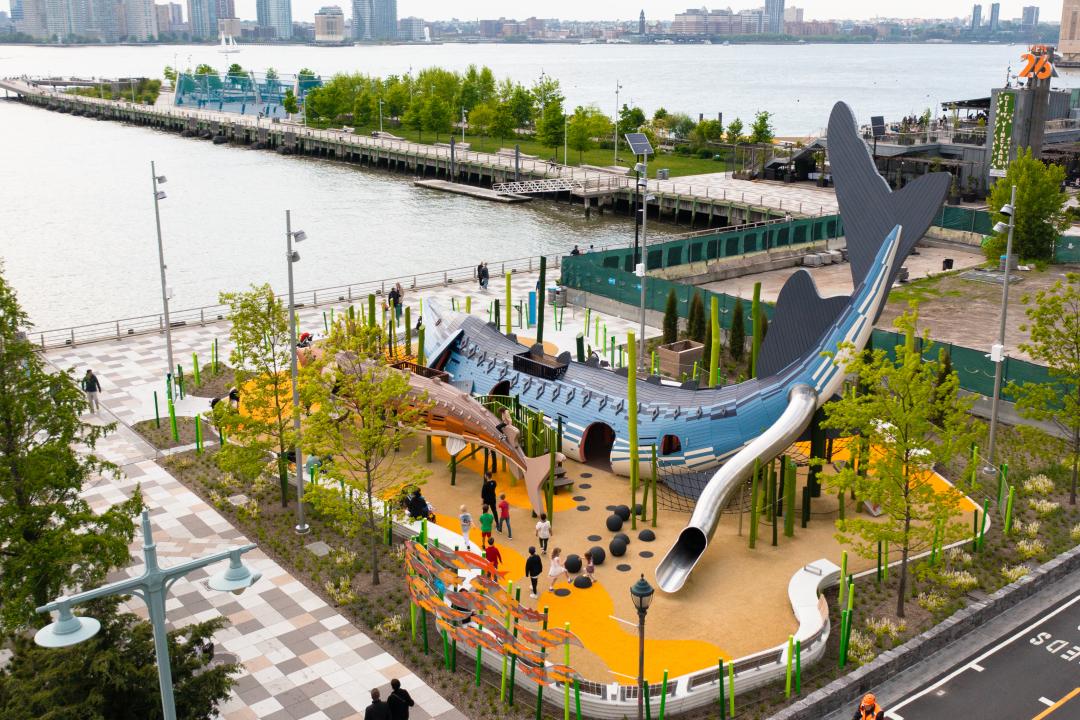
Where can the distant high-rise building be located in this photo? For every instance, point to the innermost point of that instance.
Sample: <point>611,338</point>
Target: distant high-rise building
<point>170,18</point>
<point>411,29</point>
<point>226,9</point>
<point>793,15</point>
<point>774,16</point>
<point>33,21</point>
<point>280,12</point>
<point>329,25</point>
<point>16,10</point>
<point>202,17</point>
<point>641,23</point>
<point>386,26</point>
<point>995,21</point>
<point>976,17</point>
<point>262,13</point>
<point>1030,16</point>
<point>1069,39</point>
<point>141,20</point>
<point>363,20</point>
<point>67,17</point>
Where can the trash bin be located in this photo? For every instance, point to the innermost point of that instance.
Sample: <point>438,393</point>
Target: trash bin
<point>552,293</point>
<point>947,264</point>
<point>560,297</point>
<point>663,174</point>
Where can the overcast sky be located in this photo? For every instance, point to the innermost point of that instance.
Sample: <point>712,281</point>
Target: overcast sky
<point>664,9</point>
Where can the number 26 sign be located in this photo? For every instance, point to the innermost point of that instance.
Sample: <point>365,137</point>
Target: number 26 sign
<point>1037,64</point>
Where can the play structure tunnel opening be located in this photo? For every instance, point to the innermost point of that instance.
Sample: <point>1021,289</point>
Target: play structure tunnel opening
<point>596,443</point>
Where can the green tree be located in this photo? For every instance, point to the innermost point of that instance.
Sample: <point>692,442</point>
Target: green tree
<point>50,538</point>
<point>364,109</point>
<point>521,104</point>
<point>671,318</point>
<point>170,74</point>
<point>546,92</point>
<point>413,118</point>
<point>289,103</point>
<point>735,131</point>
<point>705,132</point>
<point>396,98</point>
<point>1053,327</point>
<point>1040,202</point>
<point>660,116</point>
<point>437,116</point>
<point>364,412</point>
<point>587,124</point>
<point>681,125</point>
<point>114,674</point>
<point>262,352</point>
<point>481,120</point>
<point>271,74</point>
<point>504,123</point>
<point>550,129</point>
<point>695,321</point>
<point>895,413</point>
<point>761,131</point>
<point>737,336</point>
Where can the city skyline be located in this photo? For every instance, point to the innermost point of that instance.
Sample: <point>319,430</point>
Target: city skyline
<point>666,9</point>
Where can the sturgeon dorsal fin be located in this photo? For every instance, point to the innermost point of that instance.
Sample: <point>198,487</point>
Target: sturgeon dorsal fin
<point>802,317</point>
<point>870,210</point>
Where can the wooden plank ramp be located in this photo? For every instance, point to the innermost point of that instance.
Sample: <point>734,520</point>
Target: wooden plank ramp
<point>472,191</point>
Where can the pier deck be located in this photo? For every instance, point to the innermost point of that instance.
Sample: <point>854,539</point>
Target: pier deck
<point>482,193</point>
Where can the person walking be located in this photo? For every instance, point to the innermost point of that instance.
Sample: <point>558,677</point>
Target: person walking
<point>377,710</point>
<point>91,386</point>
<point>543,532</point>
<point>399,701</point>
<point>533,568</point>
<point>504,517</point>
<point>484,276</point>
<point>480,276</point>
<point>556,568</point>
<point>487,493</point>
<point>466,525</point>
<point>400,300</point>
<point>590,567</point>
<point>869,709</point>
<point>493,555</point>
<point>487,522</point>
<point>393,301</point>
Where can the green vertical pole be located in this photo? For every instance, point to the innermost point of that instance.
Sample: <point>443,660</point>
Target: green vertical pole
<point>632,425</point>
<point>172,422</point>
<point>843,575</point>
<point>216,356</point>
<point>805,515</point>
<point>198,436</point>
<point>479,654</point>
<point>982,525</point>
<point>647,698</point>
<point>798,667</point>
<point>421,358</point>
<point>975,530</point>
<point>408,331</point>
<point>412,620</point>
<point>885,564</point>
<point>157,415</point>
<point>392,344</point>
<point>754,503</point>
<point>540,687</point>
<point>652,363</point>
<point>427,445</point>
<point>731,688</point>
<point>581,347</point>
<point>789,498</point>
<point>879,557</point>
<point>423,619</point>
<point>577,699</point>
<point>423,532</point>
<point>1009,510</point>
<point>195,365</point>
<point>720,688</point>
<point>468,304</point>
<point>790,662</point>
<point>773,491</point>
<point>371,309</point>
<point>974,465</point>
<point>934,545</point>
<point>663,696</point>
<point>325,325</point>
<point>509,307</point>
<point>180,380</point>
<point>1004,481</point>
<point>566,685</point>
<point>551,473</point>
<point>513,660</point>
<point>714,345</point>
<point>596,329</point>
<point>540,290</point>
<point>652,449</point>
<point>755,347</point>
<point>509,616</point>
<point>453,469</point>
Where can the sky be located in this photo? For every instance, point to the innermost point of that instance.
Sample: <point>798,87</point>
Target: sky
<point>665,9</point>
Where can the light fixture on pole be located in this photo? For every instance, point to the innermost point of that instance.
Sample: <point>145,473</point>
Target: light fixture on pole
<point>380,115</point>
<point>565,129</point>
<point>291,257</point>
<point>152,587</point>
<point>997,352</point>
<point>462,125</point>
<point>641,593</point>
<point>641,147</point>
<point>159,195</point>
<point>618,87</point>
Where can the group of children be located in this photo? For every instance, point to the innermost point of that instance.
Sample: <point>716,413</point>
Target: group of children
<point>500,522</point>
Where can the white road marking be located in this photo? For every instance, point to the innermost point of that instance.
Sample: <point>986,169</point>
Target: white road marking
<point>976,667</point>
<point>982,657</point>
<point>1047,702</point>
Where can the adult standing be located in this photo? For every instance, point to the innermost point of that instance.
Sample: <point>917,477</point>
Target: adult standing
<point>377,710</point>
<point>398,307</point>
<point>393,300</point>
<point>91,386</point>
<point>488,496</point>
<point>399,701</point>
<point>534,567</point>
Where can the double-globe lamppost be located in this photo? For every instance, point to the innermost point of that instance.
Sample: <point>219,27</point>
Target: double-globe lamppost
<point>293,257</point>
<point>997,351</point>
<point>641,593</point>
<point>152,587</point>
<point>159,195</point>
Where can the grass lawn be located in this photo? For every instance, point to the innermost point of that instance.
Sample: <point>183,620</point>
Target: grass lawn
<point>677,164</point>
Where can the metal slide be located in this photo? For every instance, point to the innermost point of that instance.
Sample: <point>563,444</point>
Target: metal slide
<point>680,560</point>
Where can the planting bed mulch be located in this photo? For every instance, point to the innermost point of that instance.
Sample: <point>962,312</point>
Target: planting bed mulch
<point>161,437</point>
<point>211,384</point>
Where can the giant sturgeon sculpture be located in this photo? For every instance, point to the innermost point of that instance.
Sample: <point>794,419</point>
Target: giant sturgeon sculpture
<point>700,429</point>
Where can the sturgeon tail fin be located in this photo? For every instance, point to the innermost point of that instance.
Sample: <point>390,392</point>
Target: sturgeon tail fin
<point>536,474</point>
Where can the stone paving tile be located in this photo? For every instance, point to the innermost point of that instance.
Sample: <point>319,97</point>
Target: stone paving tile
<point>300,658</point>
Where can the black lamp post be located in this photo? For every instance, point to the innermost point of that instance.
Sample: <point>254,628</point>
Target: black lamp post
<point>641,593</point>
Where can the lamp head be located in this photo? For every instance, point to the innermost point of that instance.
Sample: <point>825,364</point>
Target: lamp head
<point>161,180</point>
<point>67,630</point>
<point>1007,210</point>
<point>160,195</point>
<point>1001,227</point>
<point>641,593</point>
<point>640,167</point>
<point>299,236</point>
<point>236,578</point>
<point>294,256</point>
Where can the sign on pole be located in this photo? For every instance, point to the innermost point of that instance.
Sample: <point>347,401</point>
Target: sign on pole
<point>1003,130</point>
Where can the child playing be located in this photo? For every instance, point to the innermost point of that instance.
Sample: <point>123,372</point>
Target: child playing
<point>504,517</point>
<point>493,555</point>
<point>590,568</point>
<point>557,568</point>
<point>466,525</point>
<point>487,522</point>
<point>543,532</point>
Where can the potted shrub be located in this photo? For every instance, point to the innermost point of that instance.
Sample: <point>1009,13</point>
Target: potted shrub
<point>972,193</point>
<point>954,192</point>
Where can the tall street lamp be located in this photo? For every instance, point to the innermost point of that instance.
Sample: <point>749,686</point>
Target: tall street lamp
<point>641,593</point>
<point>997,352</point>
<point>152,587</point>
<point>159,195</point>
<point>618,87</point>
<point>380,115</point>
<point>292,257</point>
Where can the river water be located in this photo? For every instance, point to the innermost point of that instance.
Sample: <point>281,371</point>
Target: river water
<point>76,213</point>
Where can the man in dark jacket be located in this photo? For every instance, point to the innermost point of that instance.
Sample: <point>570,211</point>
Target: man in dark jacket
<point>533,569</point>
<point>91,386</point>
<point>377,710</point>
<point>399,701</point>
<point>488,496</point>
